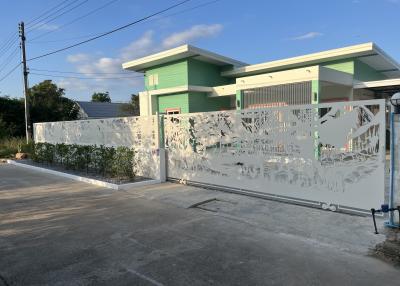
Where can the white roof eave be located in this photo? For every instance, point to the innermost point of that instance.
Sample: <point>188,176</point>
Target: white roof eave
<point>180,52</point>
<point>315,58</point>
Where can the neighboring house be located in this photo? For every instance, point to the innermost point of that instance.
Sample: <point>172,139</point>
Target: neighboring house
<point>96,110</point>
<point>189,79</point>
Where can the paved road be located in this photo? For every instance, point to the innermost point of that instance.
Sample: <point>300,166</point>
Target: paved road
<point>55,231</point>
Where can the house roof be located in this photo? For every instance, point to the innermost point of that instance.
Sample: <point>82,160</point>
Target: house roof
<point>368,53</point>
<point>182,52</point>
<point>102,109</point>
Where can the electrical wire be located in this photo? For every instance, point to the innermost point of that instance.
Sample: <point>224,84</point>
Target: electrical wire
<point>42,24</point>
<point>10,72</point>
<point>75,20</point>
<point>13,36</point>
<point>71,72</point>
<point>76,77</point>
<point>112,31</point>
<point>45,13</point>
<point>158,18</point>
<point>7,61</point>
<point>9,46</point>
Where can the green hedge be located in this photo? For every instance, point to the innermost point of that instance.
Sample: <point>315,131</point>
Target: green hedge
<point>112,162</point>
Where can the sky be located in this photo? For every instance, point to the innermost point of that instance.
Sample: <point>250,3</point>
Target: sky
<point>251,31</point>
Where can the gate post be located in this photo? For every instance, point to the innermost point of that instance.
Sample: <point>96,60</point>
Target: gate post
<point>394,199</point>
<point>161,148</point>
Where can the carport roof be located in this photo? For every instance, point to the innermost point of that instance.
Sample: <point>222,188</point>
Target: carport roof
<point>368,53</point>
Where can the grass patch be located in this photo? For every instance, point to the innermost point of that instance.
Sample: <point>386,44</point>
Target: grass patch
<point>10,146</point>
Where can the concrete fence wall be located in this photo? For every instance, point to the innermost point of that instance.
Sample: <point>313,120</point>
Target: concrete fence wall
<point>140,133</point>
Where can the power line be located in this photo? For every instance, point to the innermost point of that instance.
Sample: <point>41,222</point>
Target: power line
<point>7,61</point>
<point>110,32</point>
<point>71,72</point>
<point>77,77</point>
<point>76,19</point>
<point>8,46</point>
<point>57,16</point>
<point>10,72</point>
<point>13,35</point>
<point>93,35</point>
<point>46,12</point>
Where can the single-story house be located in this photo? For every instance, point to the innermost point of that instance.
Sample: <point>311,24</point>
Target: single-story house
<point>96,110</point>
<point>188,79</point>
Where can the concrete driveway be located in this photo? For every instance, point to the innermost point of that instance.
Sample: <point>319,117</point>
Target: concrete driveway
<point>55,231</point>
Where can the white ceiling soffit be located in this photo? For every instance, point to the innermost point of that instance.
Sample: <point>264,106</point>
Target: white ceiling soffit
<point>377,83</point>
<point>382,64</point>
<point>392,74</point>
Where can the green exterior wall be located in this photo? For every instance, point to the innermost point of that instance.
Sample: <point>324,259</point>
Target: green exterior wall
<point>194,72</point>
<point>364,72</point>
<point>180,100</point>
<point>360,70</point>
<point>169,75</point>
<point>199,102</point>
<point>206,74</point>
<point>346,66</point>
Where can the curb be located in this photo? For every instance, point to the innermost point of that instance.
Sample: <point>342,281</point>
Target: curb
<point>84,179</point>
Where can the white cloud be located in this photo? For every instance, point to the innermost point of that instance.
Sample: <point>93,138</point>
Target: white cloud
<point>142,46</point>
<point>88,64</point>
<point>195,32</point>
<point>78,58</point>
<point>307,36</point>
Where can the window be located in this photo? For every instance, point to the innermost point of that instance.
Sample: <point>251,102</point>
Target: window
<point>153,79</point>
<point>170,111</point>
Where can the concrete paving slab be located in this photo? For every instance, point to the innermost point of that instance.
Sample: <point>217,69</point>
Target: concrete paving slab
<point>55,231</point>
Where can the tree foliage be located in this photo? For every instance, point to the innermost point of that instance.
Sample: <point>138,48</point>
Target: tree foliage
<point>12,117</point>
<point>132,108</point>
<point>101,97</point>
<point>47,103</point>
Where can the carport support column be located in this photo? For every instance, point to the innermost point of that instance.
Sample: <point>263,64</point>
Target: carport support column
<point>394,199</point>
<point>239,104</point>
<point>161,148</point>
<point>315,93</point>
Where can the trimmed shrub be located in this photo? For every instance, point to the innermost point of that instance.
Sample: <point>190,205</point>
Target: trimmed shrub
<point>106,161</point>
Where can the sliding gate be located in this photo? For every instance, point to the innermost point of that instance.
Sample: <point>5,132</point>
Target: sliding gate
<point>330,155</point>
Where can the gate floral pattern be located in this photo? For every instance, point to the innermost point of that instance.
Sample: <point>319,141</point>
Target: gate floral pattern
<point>328,154</point>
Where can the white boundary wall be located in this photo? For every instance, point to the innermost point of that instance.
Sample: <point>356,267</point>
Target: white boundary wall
<point>331,155</point>
<point>140,133</point>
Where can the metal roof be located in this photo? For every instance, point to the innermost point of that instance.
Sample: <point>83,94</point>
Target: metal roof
<point>102,109</point>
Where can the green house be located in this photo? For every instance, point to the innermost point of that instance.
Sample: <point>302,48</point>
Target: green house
<point>188,79</point>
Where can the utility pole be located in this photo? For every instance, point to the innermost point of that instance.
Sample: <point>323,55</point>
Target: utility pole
<point>25,72</point>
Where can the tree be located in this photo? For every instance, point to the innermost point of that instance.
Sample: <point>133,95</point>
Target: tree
<point>12,117</point>
<point>49,104</point>
<point>101,97</point>
<point>132,108</point>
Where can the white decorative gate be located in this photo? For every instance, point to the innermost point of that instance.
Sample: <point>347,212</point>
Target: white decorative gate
<point>326,154</point>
